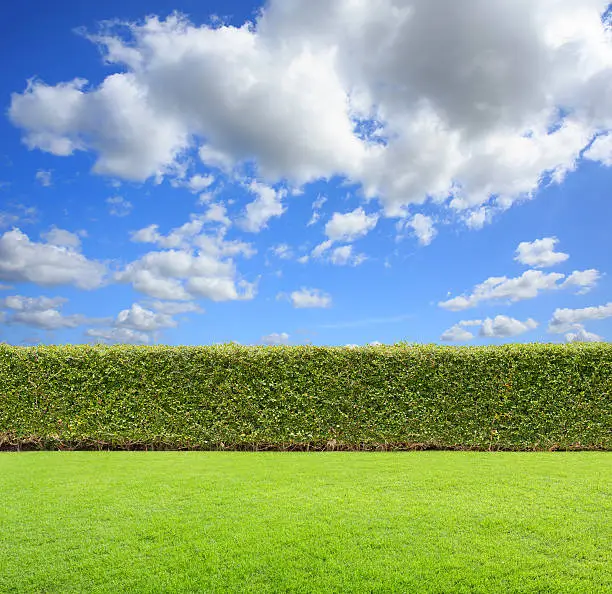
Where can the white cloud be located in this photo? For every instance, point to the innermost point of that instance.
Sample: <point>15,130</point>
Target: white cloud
<point>275,338</point>
<point>202,266</point>
<point>316,210</point>
<point>182,236</point>
<point>206,197</point>
<point>477,218</point>
<point>217,213</point>
<point>148,234</point>
<point>40,312</point>
<point>191,234</point>
<point>132,139</point>
<point>198,182</point>
<point>527,286</point>
<point>350,226</point>
<point>565,319</point>
<point>48,319</point>
<point>185,275</point>
<point>174,307</point>
<point>601,150</point>
<point>219,247</point>
<point>267,205</point>
<point>61,237</point>
<point>581,335</point>
<point>23,260</point>
<point>423,228</point>
<point>498,327</point>
<point>310,298</point>
<point>143,320</point>
<point>7,219</point>
<point>503,326</point>
<point>470,101</point>
<point>21,303</point>
<point>456,334</point>
<point>321,248</point>
<point>119,335</point>
<point>343,256</point>
<point>119,206</point>
<point>339,256</point>
<point>584,279</point>
<point>468,323</point>
<point>138,324</point>
<point>282,251</point>
<point>540,253</point>
<point>18,213</point>
<point>44,178</point>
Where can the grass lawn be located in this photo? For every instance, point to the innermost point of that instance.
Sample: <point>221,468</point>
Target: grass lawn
<point>305,522</point>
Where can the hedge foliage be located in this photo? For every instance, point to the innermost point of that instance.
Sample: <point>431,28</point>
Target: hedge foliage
<point>514,397</point>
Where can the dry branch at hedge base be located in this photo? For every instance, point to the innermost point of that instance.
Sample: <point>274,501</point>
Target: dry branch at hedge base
<point>511,397</point>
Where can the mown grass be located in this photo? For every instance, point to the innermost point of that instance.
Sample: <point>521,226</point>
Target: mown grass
<point>298,522</point>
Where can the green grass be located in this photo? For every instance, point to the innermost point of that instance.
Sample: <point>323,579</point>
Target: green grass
<point>297,522</point>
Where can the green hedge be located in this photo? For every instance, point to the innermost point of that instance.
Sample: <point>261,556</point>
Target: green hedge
<point>515,397</point>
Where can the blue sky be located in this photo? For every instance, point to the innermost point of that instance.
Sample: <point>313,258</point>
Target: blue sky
<point>306,172</point>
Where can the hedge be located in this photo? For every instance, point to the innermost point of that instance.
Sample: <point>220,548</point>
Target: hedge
<point>512,397</point>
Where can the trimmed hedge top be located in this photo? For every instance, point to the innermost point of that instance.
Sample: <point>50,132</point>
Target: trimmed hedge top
<point>516,397</point>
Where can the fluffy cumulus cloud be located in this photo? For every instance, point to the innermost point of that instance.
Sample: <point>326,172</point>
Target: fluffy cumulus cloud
<point>580,334</point>
<point>178,237</point>
<point>48,264</point>
<point>192,234</point>
<point>423,228</point>
<point>305,298</point>
<point>185,275</point>
<point>527,286</point>
<point>198,183</point>
<point>497,327</point>
<point>460,104</point>
<point>476,218</point>
<point>345,256</point>
<point>40,312</point>
<point>197,264</point>
<point>61,237</point>
<point>601,150</point>
<point>275,338</point>
<point>584,280</point>
<point>144,320</point>
<point>350,226</point>
<point>457,333</point>
<point>504,326</point>
<point>540,253</point>
<point>266,206</point>
<point>339,256</point>
<point>140,324</point>
<point>118,335</point>
<point>174,307</point>
<point>217,213</point>
<point>21,303</point>
<point>565,319</point>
